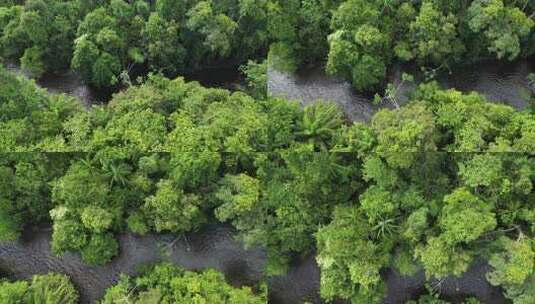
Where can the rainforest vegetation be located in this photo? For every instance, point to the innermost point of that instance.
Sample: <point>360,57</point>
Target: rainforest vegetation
<point>107,42</point>
<point>43,289</point>
<point>361,39</point>
<point>168,156</point>
<point>436,185</point>
<point>165,283</point>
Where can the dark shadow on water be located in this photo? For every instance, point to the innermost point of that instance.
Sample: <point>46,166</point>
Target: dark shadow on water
<point>227,76</point>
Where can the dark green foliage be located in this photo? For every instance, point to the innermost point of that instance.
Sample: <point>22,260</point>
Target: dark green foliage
<point>40,34</point>
<point>367,36</point>
<point>101,39</point>
<point>256,76</point>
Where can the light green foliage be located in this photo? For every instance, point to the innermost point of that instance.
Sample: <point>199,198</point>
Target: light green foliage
<point>483,170</point>
<point>239,195</point>
<point>137,223</point>
<point>85,213</point>
<point>416,225</point>
<point>256,75</point>
<point>465,217</point>
<point>67,234</point>
<point>319,123</point>
<point>513,268</point>
<point>284,204</point>
<point>515,264</point>
<point>84,56</point>
<point>169,155</point>
<point>13,292</point>
<point>441,259</point>
<point>357,138</point>
<point>51,289</point>
<point>471,124</point>
<point>82,185</point>
<point>377,203</point>
<point>173,210</point>
<point>410,129</point>
<point>24,106</point>
<point>165,283</point>
<point>96,219</point>
<point>522,294</point>
<point>349,261</point>
<point>430,209</point>
<point>42,289</point>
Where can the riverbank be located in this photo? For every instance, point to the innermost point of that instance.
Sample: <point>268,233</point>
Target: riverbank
<point>215,247</point>
<point>500,82</point>
<point>68,82</point>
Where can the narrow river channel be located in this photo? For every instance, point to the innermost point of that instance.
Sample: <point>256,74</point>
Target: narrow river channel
<point>503,82</point>
<point>215,246</point>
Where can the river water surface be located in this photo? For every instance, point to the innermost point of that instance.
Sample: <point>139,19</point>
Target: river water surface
<point>504,82</point>
<point>68,82</point>
<point>215,246</point>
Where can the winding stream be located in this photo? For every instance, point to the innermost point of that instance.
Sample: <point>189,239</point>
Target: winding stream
<point>215,247</point>
<point>499,81</point>
<point>68,82</point>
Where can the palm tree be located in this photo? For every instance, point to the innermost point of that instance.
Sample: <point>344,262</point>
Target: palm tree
<point>385,226</point>
<point>117,173</point>
<point>320,120</point>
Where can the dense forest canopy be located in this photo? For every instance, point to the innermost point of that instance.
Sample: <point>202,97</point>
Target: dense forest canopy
<point>434,186</point>
<point>168,156</point>
<point>109,41</point>
<point>361,39</point>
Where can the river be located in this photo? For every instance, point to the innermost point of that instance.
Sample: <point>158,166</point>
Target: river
<point>68,82</point>
<point>215,246</point>
<point>504,82</point>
